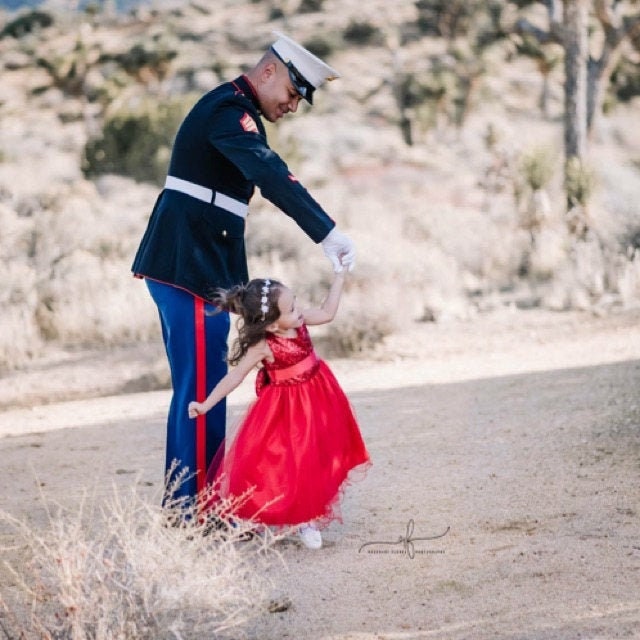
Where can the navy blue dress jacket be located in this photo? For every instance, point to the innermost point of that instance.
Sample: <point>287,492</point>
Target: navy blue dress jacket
<point>221,145</point>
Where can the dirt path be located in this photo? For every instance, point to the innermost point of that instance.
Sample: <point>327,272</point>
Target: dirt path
<point>521,434</point>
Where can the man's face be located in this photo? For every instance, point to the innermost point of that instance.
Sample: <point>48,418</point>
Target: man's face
<point>276,94</point>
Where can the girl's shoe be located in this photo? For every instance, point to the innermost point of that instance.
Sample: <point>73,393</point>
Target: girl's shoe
<point>310,536</point>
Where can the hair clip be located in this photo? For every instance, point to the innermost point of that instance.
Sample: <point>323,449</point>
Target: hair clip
<point>264,300</point>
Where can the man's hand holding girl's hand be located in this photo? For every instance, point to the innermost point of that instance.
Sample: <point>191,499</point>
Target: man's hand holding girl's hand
<point>340,250</point>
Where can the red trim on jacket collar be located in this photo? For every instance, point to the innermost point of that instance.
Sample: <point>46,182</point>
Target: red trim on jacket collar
<point>249,83</point>
<point>244,86</point>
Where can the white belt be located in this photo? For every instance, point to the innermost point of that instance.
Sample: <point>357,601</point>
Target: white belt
<point>207,195</point>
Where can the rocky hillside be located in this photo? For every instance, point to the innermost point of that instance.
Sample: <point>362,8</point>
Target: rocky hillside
<point>423,153</point>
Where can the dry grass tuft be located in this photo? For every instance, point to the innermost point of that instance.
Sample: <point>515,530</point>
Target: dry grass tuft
<point>132,569</point>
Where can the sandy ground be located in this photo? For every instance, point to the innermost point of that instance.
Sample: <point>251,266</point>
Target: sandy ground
<point>520,432</point>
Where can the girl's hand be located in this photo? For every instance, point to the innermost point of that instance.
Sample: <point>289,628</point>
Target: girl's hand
<point>196,409</point>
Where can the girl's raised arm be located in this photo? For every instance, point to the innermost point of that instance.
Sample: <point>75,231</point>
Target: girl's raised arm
<point>326,312</point>
<point>254,354</point>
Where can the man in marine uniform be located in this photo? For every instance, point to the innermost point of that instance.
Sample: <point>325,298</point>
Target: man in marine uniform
<point>194,241</point>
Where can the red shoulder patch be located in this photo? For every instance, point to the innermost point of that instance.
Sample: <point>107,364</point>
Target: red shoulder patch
<point>248,123</point>
<point>293,178</point>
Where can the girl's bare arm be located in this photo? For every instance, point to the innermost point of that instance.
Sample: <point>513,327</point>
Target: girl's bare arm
<point>254,354</point>
<point>326,312</point>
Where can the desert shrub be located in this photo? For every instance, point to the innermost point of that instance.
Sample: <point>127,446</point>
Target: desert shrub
<point>68,70</point>
<point>627,278</point>
<point>579,182</point>
<point>320,46</point>
<point>79,261</point>
<point>356,334</point>
<point>537,167</point>
<point>363,33</point>
<point>136,141</point>
<point>489,26</point>
<point>27,23</point>
<point>275,13</point>
<point>442,18</point>
<point>625,82</point>
<point>630,238</point>
<point>87,300</point>
<point>444,92</point>
<point>413,90</point>
<point>153,56</point>
<point>20,338</point>
<point>579,282</point>
<point>130,568</point>
<point>310,6</point>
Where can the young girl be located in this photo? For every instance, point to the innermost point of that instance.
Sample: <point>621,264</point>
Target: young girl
<point>299,439</point>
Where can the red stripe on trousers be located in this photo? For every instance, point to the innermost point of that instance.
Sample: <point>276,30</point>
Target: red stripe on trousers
<point>201,394</point>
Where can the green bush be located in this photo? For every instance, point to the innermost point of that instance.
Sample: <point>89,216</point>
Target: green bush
<point>136,142</point>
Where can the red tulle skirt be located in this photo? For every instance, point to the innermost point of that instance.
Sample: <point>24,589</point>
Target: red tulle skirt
<point>292,453</point>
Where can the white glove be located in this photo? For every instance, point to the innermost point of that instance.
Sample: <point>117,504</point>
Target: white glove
<point>340,250</point>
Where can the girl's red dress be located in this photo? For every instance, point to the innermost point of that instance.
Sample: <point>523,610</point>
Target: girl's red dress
<point>297,444</point>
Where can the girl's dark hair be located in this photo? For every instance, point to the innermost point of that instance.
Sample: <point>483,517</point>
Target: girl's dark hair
<point>245,300</point>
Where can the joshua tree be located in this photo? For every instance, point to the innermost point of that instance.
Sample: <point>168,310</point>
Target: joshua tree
<point>588,70</point>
